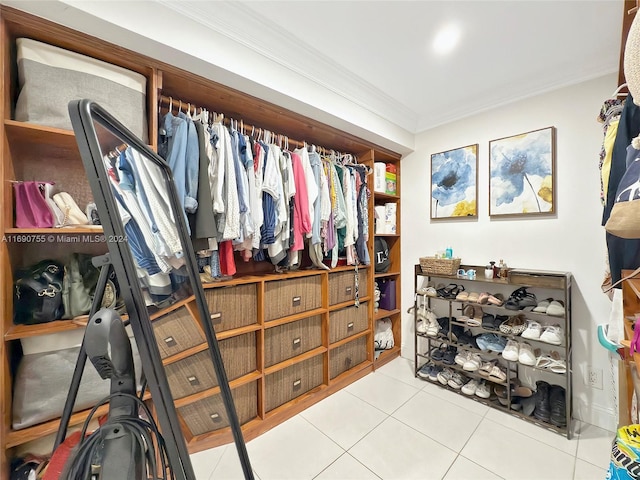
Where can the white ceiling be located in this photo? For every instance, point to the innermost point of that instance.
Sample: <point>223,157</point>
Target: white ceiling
<point>378,53</point>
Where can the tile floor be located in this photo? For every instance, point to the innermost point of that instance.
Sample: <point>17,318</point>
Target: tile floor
<point>390,425</point>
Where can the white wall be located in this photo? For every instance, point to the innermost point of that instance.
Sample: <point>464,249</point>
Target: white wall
<point>572,240</point>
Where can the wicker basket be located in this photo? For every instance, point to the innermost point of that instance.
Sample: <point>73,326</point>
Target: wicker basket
<point>439,266</point>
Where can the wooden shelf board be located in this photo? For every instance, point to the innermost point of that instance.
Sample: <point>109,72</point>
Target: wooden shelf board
<point>19,437</point>
<point>382,313</point>
<point>97,230</point>
<point>350,303</point>
<point>349,339</point>
<point>292,361</point>
<point>385,196</point>
<point>386,356</point>
<point>249,377</point>
<point>388,235</point>
<point>293,318</point>
<point>16,332</point>
<point>33,133</point>
<point>388,274</point>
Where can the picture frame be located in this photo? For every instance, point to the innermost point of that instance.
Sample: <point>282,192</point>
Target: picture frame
<point>454,183</point>
<point>522,178</point>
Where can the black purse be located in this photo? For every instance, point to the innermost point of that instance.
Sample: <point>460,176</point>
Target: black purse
<point>38,293</point>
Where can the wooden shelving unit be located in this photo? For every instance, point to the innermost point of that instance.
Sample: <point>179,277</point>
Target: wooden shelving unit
<point>35,152</point>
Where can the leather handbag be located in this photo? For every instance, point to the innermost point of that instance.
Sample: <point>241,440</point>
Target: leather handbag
<point>31,207</point>
<point>38,293</point>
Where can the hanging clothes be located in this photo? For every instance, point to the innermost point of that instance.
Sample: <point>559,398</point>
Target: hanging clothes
<point>609,116</point>
<point>623,253</point>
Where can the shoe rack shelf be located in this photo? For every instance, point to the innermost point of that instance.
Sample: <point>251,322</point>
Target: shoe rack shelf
<point>544,284</point>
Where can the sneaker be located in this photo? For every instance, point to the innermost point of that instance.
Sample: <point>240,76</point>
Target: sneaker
<point>473,363</point>
<point>456,381</point>
<point>445,375</point>
<point>498,374</point>
<point>494,343</point>
<point>462,357</point>
<point>483,390</point>
<point>556,308</point>
<point>510,351</point>
<point>533,331</point>
<point>470,387</point>
<point>425,370</point>
<point>552,334</point>
<point>449,356</point>
<point>485,368</point>
<point>526,355</point>
<point>433,373</point>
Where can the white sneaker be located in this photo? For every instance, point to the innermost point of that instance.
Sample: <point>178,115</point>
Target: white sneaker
<point>473,363</point>
<point>533,330</point>
<point>483,390</point>
<point>462,357</point>
<point>510,351</point>
<point>526,356</point>
<point>552,334</point>
<point>470,387</point>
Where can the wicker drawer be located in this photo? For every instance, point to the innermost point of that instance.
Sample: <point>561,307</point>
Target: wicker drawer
<point>342,286</point>
<point>195,374</point>
<point>176,332</point>
<point>347,356</point>
<point>232,307</point>
<point>293,381</point>
<point>288,297</point>
<point>209,414</point>
<point>348,321</point>
<point>291,339</point>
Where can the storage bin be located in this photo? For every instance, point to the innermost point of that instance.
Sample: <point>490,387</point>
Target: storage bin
<point>291,382</point>
<point>291,296</point>
<point>232,307</point>
<point>347,356</point>
<point>195,374</point>
<point>342,286</point>
<point>176,332</point>
<point>348,321</point>
<point>291,339</point>
<point>536,279</point>
<point>209,414</point>
<point>387,293</point>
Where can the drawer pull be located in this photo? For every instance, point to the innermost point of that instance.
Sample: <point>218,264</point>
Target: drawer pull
<point>297,342</point>
<point>350,326</point>
<point>216,317</point>
<point>215,417</point>
<point>348,290</point>
<point>347,362</point>
<point>193,380</point>
<point>296,301</point>
<point>297,384</point>
<point>170,342</point>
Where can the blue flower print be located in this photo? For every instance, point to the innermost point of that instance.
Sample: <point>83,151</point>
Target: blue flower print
<point>452,173</point>
<point>515,164</point>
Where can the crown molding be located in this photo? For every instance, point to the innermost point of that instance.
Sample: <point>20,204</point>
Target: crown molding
<point>241,24</point>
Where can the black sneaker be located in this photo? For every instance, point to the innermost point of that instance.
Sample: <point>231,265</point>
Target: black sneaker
<point>558,406</point>
<point>449,356</point>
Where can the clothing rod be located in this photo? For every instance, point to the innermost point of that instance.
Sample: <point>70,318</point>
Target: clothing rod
<point>247,129</point>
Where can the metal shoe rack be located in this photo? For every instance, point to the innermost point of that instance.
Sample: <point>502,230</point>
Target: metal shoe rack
<point>544,284</point>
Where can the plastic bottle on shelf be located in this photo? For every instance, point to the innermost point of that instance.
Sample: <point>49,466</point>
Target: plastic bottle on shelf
<point>449,252</point>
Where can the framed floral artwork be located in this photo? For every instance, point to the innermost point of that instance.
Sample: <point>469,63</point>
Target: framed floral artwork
<point>522,174</point>
<point>454,179</point>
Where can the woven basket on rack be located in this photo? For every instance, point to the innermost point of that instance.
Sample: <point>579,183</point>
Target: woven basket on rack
<point>439,266</point>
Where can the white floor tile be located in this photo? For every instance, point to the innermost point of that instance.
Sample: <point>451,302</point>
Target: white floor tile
<point>294,449</point>
<point>395,451</point>
<point>587,471</point>
<point>206,461</point>
<point>594,445</point>
<point>465,469</point>
<point>444,422</point>
<point>347,468</point>
<point>402,369</point>
<point>513,455</point>
<point>344,418</point>
<point>457,399</point>
<point>382,391</point>
<point>514,423</point>
<point>229,468</point>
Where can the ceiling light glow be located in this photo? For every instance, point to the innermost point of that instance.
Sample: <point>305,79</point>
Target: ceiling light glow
<point>446,39</point>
